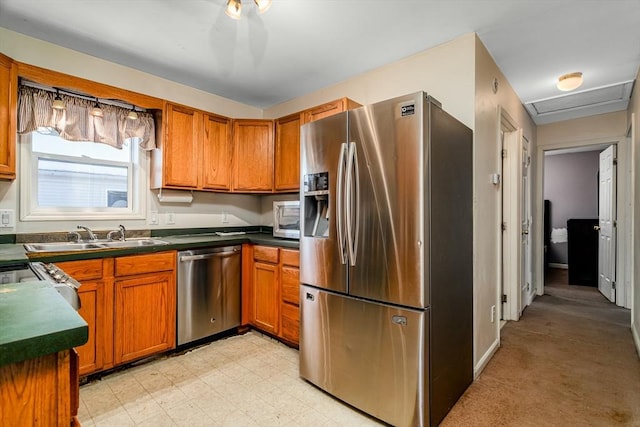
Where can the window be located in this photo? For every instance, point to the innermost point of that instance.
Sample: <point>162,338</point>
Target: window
<point>78,180</point>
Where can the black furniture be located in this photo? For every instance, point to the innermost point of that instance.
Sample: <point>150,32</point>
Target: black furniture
<point>583,251</point>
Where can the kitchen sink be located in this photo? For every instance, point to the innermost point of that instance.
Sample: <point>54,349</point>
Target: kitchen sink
<point>133,243</point>
<point>61,247</point>
<point>91,246</point>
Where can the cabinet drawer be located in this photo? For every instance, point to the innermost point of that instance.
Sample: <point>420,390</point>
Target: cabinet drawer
<point>290,257</point>
<point>265,254</point>
<point>290,328</point>
<point>90,269</point>
<point>290,282</point>
<point>147,263</point>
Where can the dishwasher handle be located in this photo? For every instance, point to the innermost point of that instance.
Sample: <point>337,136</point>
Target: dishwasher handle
<point>185,258</point>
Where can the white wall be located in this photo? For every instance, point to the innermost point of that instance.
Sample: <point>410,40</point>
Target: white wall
<point>488,211</point>
<point>53,57</point>
<point>445,72</point>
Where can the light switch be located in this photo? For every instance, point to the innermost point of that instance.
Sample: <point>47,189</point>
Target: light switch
<point>7,218</point>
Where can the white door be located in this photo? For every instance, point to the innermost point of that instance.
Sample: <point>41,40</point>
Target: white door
<point>516,247</point>
<point>525,220</point>
<point>607,224</point>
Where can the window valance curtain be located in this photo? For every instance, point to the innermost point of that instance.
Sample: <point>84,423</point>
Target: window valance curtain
<point>75,123</point>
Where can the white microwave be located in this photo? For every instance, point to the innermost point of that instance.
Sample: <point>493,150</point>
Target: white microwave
<point>286,219</point>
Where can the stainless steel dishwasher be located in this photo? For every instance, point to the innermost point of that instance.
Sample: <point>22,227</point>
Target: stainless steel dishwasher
<point>208,292</point>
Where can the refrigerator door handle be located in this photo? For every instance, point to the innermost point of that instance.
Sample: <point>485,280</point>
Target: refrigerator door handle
<point>353,203</point>
<point>340,203</point>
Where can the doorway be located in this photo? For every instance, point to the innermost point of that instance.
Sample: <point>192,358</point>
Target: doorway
<point>572,176</point>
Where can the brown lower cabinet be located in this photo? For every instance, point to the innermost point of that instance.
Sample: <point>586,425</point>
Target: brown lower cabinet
<point>41,391</point>
<point>271,291</point>
<point>129,304</point>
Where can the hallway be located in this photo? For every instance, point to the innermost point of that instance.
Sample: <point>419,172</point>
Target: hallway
<point>570,360</point>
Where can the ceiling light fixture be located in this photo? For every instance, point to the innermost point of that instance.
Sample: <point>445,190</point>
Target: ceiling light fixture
<point>58,104</point>
<point>96,111</point>
<point>569,81</point>
<point>234,7</point>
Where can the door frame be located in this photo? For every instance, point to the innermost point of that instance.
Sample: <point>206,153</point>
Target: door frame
<point>624,210</point>
<point>512,309</point>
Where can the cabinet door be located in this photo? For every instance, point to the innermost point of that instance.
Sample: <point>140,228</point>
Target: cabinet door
<point>96,308</point>
<point>216,153</point>
<point>92,309</point>
<point>265,296</point>
<point>181,148</point>
<point>253,155</point>
<point>145,316</point>
<point>329,109</point>
<point>8,117</point>
<point>287,155</point>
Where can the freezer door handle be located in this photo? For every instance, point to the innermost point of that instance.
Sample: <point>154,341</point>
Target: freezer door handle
<point>340,203</point>
<point>353,203</point>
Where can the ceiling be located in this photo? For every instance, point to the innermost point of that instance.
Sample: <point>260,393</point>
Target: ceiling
<point>299,46</point>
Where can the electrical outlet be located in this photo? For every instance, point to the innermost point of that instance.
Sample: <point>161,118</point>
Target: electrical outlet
<point>171,218</point>
<point>493,313</point>
<point>153,217</point>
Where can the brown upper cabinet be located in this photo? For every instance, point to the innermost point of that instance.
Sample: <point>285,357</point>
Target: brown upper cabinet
<point>328,109</point>
<point>287,155</point>
<point>287,150</point>
<point>253,156</point>
<point>194,150</point>
<point>8,117</point>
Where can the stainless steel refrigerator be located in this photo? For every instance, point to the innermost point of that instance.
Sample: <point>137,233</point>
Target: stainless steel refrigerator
<point>386,259</point>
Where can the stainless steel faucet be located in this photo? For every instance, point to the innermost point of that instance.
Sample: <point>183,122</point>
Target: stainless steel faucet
<point>92,237</point>
<point>73,235</point>
<point>121,230</point>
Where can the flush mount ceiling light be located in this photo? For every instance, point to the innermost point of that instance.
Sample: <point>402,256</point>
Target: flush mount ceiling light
<point>569,81</point>
<point>96,111</point>
<point>234,7</point>
<point>58,104</point>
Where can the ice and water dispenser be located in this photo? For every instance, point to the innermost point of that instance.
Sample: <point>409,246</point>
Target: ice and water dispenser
<point>316,205</point>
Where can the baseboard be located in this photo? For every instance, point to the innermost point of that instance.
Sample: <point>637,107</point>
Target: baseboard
<point>636,337</point>
<point>559,265</point>
<point>486,358</point>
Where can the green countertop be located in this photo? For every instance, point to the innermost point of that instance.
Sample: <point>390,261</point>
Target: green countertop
<point>14,253</point>
<point>36,320</point>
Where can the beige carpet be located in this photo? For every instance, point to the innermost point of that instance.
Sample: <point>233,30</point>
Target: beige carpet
<point>569,361</point>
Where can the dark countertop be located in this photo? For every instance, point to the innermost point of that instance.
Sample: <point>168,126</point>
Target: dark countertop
<point>14,253</point>
<point>36,320</point>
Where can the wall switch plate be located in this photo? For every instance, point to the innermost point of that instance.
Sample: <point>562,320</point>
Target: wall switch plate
<point>7,218</point>
<point>171,218</point>
<point>153,217</point>
<point>493,313</point>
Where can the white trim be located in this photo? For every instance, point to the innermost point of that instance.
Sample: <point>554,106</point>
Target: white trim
<point>636,337</point>
<point>484,360</point>
<point>559,265</point>
<point>27,203</point>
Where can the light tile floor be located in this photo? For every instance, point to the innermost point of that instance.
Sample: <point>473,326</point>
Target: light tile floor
<point>247,380</point>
